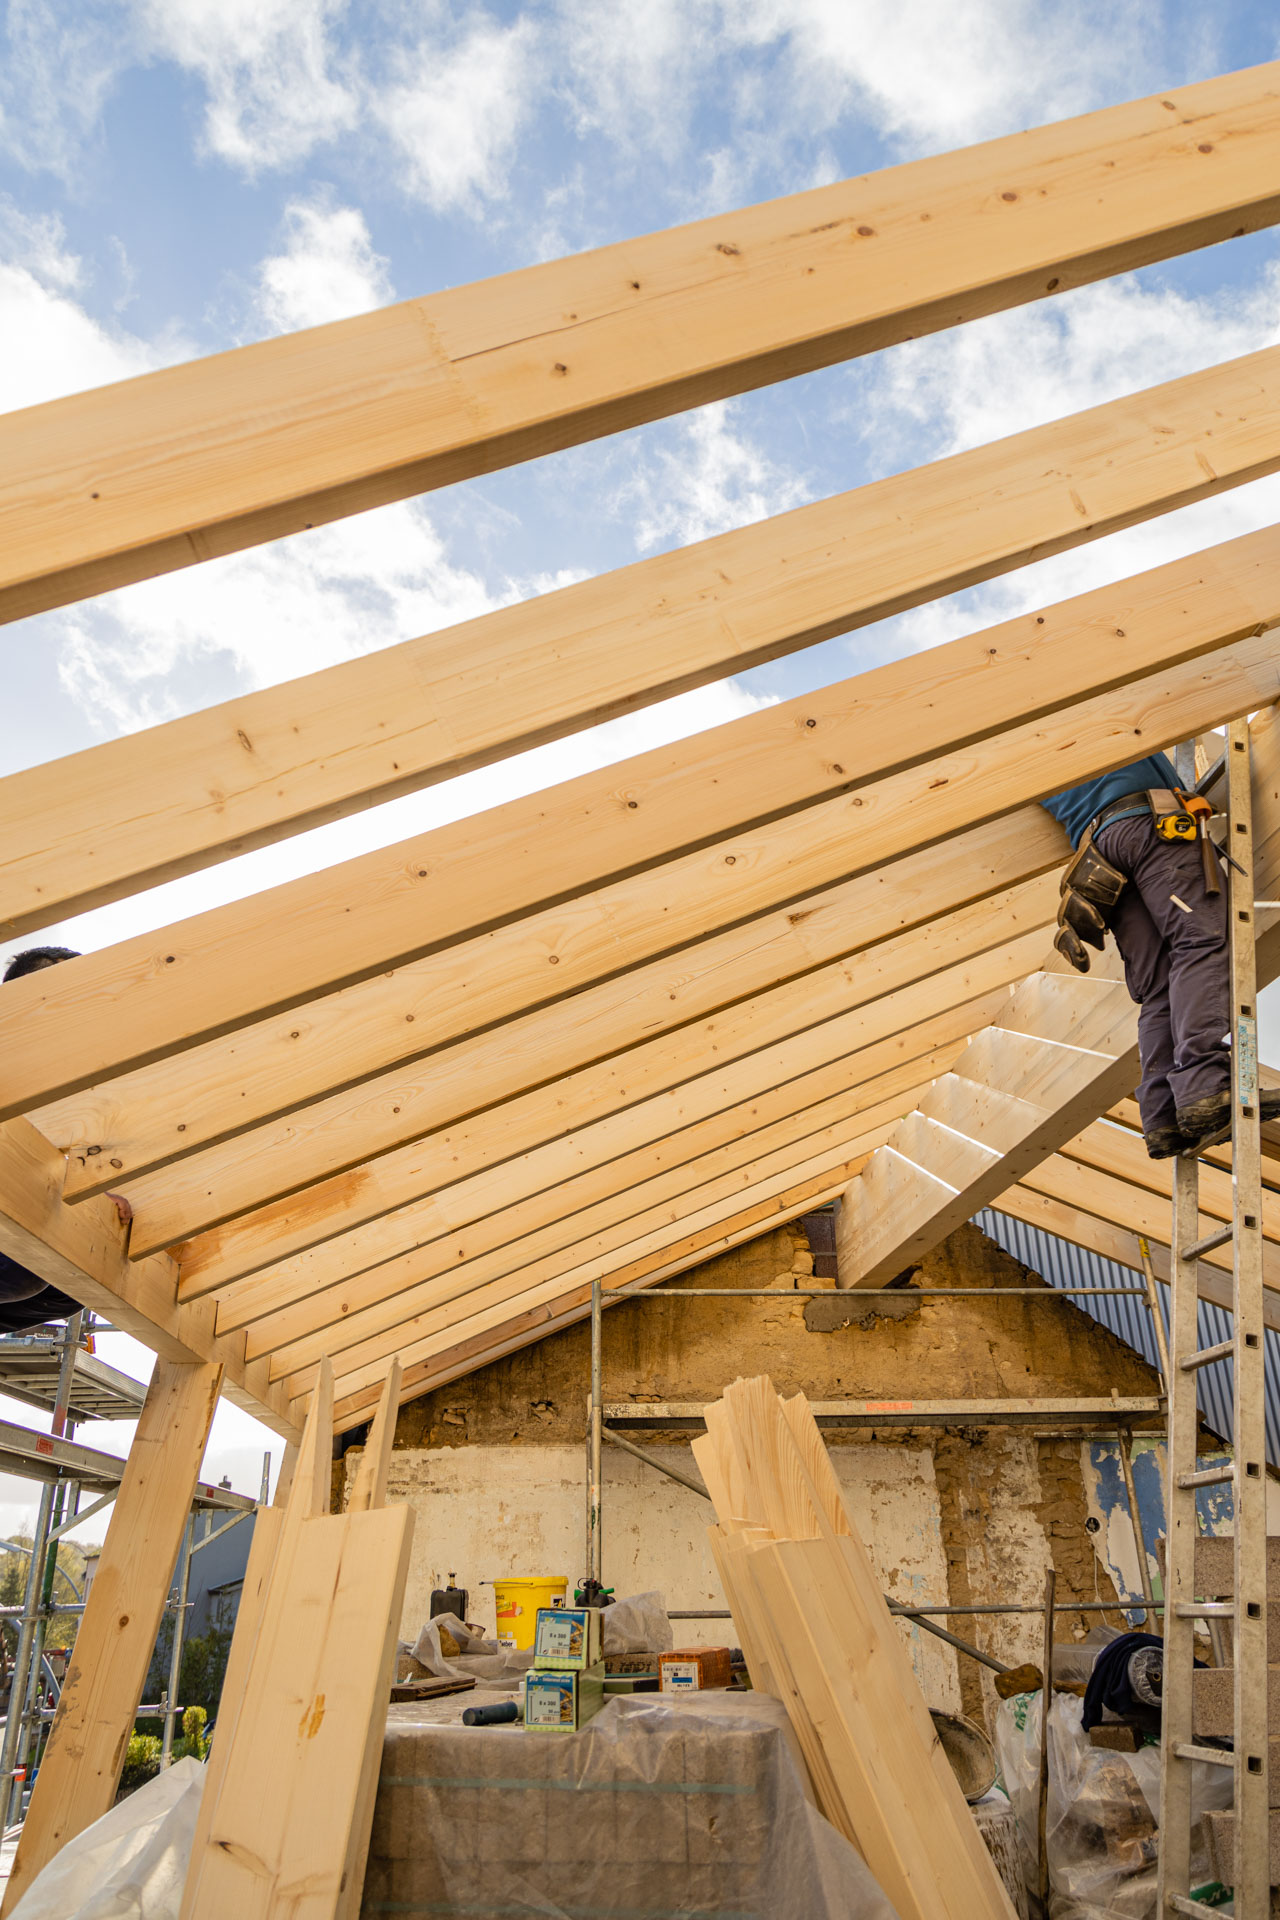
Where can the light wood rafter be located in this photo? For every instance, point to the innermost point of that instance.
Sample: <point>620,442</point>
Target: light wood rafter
<point>182,465</point>
<point>214,784</point>
<point>840,757</point>
<point>413,1104</point>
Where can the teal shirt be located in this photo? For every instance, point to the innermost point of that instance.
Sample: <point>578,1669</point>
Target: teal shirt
<point>1076,806</point>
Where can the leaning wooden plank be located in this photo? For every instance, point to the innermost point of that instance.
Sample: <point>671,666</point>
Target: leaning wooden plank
<point>133,812</point>
<point>240,963</point>
<point>897,816</point>
<point>181,465</point>
<point>78,1777</point>
<point>286,1832</point>
<point>83,1252</point>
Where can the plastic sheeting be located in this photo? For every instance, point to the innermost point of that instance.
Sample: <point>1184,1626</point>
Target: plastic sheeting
<point>657,1809</point>
<point>1103,1817</point>
<point>131,1864</point>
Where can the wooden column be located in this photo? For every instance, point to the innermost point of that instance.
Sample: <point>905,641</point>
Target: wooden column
<point>80,1773</point>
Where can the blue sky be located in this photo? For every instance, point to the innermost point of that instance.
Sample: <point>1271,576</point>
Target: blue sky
<point>181,176</point>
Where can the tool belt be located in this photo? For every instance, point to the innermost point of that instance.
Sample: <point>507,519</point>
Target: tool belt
<point>1091,886</point>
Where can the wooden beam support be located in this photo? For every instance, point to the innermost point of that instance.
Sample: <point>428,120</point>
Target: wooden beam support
<point>878,931</point>
<point>372,1302</point>
<point>177,466</point>
<point>223,970</point>
<point>1118,1151</point>
<point>83,1251</point>
<point>177,797</point>
<point>80,1772</point>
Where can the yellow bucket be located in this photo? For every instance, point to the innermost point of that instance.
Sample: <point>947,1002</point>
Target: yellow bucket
<point>516,1602</point>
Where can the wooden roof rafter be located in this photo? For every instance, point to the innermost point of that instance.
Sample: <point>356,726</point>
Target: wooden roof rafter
<point>639,1016</point>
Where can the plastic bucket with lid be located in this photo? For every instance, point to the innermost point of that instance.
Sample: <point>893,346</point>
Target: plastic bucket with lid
<point>516,1602</point>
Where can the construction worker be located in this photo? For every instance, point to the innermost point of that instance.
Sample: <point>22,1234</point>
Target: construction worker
<point>25,1299</point>
<point>1141,872</point>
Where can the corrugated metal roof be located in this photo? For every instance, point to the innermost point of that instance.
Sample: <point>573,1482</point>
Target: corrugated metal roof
<point>1063,1264</point>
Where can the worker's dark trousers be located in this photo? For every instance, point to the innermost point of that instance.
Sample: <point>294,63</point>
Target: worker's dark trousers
<point>1176,966</point>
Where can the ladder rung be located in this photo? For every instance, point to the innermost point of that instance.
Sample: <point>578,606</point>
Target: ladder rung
<point>1199,1248</point>
<point>1207,1355</point>
<point>1208,1477</point>
<point>1205,1610</point>
<point>1212,1756</point>
<point>1183,1903</point>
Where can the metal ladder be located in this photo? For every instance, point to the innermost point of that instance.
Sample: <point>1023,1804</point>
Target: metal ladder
<point>1246,1473</point>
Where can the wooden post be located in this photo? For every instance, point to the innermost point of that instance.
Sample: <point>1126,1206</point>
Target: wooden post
<point>80,1773</point>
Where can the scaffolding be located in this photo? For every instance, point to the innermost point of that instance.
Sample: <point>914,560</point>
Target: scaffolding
<point>78,1386</point>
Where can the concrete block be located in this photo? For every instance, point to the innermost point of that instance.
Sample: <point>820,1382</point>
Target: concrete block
<point>1221,1835</point>
<point>1215,1567</point>
<point>1212,1705</point>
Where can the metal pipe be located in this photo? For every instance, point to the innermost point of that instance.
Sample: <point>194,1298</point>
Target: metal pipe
<point>1124,1440</point>
<point>595,1449</point>
<point>1046,1698</point>
<point>857,1293</point>
<point>20,1675</point>
<point>659,1466</point>
<point>175,1652</point>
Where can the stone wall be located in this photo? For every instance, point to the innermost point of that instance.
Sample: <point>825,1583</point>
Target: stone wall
<point>494,1463</point>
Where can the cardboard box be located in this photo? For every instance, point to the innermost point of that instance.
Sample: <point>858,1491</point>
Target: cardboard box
<point>693,1669</point>
<point>562,1702</point>
<point>567,1639</point>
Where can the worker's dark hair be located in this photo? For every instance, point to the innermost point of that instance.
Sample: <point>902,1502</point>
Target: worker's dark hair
<point>36,957</point>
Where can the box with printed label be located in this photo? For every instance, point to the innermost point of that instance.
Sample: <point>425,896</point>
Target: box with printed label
<point>691,1669</point>
<point>567,1639</point>
<point>562,1702</point>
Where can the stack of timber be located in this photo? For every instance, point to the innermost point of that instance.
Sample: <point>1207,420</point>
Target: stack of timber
<point>288,1803</point>
<point>818,1636</point>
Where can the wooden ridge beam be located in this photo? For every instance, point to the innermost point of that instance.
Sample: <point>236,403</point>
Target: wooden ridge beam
<point>240,963</point>
<point>81,1250</point>
<point>253,770</point>
<point>437,1368</point>
<point>912,810</point>
<point>181,465</point>
<point>876,927</point>
<point>493,1305</point>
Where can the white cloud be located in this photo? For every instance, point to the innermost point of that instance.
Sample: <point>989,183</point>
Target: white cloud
<point>327,270</point>
<point>273,79</point>
<point>57,68</point>
<point>710,480</point>
<point>49,344</point>
<point>454,114</point>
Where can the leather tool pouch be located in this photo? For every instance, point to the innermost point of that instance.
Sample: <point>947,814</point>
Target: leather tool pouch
<point>1089,890</point>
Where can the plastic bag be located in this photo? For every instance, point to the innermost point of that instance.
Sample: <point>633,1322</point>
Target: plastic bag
<point>638,1624</point>
<point>1103,1817</point>
<point>481,1660</point>
<point>131,1864</point>
<point>698,1802</point>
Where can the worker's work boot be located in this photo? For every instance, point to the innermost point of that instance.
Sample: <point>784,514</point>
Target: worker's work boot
<point>1207,1122</point>
<point>1163,1143</point>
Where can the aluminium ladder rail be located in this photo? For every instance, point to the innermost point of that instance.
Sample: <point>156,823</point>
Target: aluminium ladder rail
<point>1247,1610</point>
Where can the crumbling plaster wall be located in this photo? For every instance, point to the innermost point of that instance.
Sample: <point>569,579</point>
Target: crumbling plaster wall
<point>494,1463</point>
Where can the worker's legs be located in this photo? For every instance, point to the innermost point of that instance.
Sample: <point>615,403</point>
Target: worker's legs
<point>1172,936</point>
